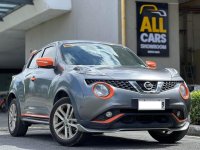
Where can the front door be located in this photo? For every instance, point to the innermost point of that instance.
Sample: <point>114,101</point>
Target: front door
<point>42,98</point>
<point>29,89</point>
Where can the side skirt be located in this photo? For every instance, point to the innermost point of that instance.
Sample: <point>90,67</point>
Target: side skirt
<point>35,120</point>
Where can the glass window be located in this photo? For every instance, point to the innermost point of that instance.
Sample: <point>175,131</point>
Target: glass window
<point>99,54</point>
<point>50,52</point>
<point>33,63</point>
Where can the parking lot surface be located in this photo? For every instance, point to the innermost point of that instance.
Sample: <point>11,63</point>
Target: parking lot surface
<point>39,138</point>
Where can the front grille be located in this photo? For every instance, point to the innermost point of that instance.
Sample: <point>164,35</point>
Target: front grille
<point>123,84</point>
<point>168,85</point>
<point>142,85</point>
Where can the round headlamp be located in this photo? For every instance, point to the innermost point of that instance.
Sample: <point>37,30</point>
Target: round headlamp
<point>184,91</point>
<point>103,90</point>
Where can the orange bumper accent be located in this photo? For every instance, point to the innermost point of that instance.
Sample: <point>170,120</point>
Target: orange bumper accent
<point>34,115</point>
<point>177,119</point>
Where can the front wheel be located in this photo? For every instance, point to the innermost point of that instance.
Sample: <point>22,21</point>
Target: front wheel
<point>63,124</point>
<point>167,136</point>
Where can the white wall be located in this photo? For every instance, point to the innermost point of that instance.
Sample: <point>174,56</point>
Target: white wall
<point>88,20</point>
<point>174,59</point>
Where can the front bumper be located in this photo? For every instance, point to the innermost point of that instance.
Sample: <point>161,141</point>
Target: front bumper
<point>131,120</point>
<point>124,107</point>
<point>84,129</point>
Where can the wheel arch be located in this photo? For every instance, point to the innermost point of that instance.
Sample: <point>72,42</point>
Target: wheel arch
<point>63,92</point>
<point>10,97</point>
<point>60,94</point>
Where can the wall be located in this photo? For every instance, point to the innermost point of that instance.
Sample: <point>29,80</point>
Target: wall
<point>174,59</point>
<point>12,49</point>
<point>190,52</point>
<point>88,20</point>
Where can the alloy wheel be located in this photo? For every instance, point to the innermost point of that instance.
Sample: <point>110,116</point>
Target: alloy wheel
<point>64,122</point>
<point>12,117</point>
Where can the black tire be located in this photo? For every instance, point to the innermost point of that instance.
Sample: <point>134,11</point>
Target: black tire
<point>20,126</point>
<point>172,137</point>
<point>78,138</point>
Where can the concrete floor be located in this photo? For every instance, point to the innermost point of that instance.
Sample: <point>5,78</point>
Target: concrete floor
<point>39,138</point>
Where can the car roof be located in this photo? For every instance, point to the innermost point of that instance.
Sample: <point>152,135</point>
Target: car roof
<point>75,42</point>
<point>85,41</point>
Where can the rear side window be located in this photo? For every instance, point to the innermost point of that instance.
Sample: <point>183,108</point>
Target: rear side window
<point>50,52</point>
<point>33,63</point>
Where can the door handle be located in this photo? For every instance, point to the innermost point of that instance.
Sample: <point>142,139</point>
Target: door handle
<point>33,78</point>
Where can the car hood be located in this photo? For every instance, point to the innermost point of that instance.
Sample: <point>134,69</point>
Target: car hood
<point>127,73</point>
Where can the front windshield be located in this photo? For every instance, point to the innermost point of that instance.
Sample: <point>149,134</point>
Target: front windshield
<point>99,54</point>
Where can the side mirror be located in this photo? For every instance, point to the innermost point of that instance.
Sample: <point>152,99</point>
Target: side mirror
<point>151,64</point>
<point>45,62</point>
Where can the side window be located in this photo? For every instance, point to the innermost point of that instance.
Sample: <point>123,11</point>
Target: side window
<point>33,63</point>
<point>50,52</point>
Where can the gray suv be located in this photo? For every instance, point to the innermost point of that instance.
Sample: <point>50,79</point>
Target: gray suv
<point>81,87</point>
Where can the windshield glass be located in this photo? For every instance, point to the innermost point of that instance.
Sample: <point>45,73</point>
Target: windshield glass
<point>99,54</point>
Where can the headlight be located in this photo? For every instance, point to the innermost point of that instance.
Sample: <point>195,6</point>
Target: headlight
<point>103,90</point>
<point>184,91</point>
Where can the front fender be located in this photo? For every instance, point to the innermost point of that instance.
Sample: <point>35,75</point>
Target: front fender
<point>12,94</point>
<point>16,91</point>
<point>71,86</point>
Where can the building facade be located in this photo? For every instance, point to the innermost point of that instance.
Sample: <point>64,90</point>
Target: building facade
<point>32,25</point>
<point>101,21</point>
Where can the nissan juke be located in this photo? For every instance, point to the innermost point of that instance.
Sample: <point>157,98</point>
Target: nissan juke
<point>80,88</point>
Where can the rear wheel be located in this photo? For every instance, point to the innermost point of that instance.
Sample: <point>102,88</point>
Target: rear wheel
<point>63,124</point>
<point>167,136</point>
<point>15,125</point>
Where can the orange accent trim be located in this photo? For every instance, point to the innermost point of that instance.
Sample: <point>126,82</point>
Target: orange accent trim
<point>109,120</point>
<point>111,90</point>
<point>177,119</point>
<point>151,64</point>
<point>45,62</point>
<point>34,115</point>
<point>187,92</point>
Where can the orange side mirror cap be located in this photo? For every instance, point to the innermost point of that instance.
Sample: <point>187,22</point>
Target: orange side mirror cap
<point>45,62</point>
<point>151,64</point>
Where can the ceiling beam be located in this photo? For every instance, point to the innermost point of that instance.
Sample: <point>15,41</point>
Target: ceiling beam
<point>3,12</point>
<point>6,7</point>
<point>19,2</point>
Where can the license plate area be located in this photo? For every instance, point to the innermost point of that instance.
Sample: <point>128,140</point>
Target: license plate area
<point>151,104</point>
